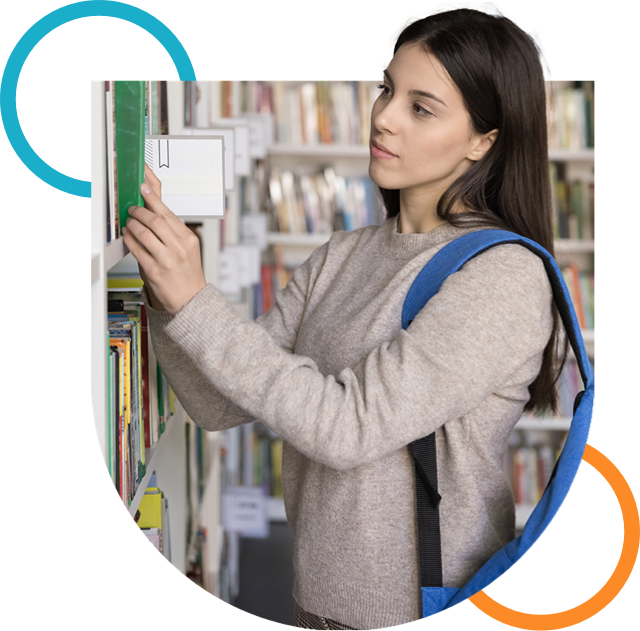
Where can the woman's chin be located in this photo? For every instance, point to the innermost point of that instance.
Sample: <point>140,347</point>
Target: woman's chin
<point>379,178</point>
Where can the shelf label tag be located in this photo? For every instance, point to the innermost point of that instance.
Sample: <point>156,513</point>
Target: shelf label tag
<point>244,510</point>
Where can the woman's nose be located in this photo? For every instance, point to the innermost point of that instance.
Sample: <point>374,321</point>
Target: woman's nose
<point>385,115</point>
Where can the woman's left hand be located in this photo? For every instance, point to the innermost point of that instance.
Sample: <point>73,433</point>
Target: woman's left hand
<point>167,252</point>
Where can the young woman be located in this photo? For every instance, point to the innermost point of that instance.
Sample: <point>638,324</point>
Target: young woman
<point>458,143</point>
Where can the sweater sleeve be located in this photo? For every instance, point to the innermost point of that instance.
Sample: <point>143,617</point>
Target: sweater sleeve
<point>207,406</point>
<point>487,320</point>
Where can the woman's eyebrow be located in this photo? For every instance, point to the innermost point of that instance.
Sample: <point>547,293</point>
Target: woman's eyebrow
<point>427,95</point>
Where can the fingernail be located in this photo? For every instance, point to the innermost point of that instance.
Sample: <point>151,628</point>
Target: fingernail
<point>145,188</point>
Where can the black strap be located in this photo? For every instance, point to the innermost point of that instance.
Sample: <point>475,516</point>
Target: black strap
<point>428,500</point>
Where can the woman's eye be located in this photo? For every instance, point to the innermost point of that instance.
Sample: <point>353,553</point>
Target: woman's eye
<point>384,88</point>
<point>418,109</point>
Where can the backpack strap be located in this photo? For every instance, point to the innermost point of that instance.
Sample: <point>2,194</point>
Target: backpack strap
<point>445,262</point>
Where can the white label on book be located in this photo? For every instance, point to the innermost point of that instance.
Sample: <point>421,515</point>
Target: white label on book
<point>254,230</point>
<point>244,510</point>
<point>229,271</point>
<point>191,169</point>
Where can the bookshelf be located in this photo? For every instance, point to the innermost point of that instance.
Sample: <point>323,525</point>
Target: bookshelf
<point>166,460</point>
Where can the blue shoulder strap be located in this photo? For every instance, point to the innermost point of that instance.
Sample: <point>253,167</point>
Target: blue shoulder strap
<point>455,254</point>
<point>428,282</point>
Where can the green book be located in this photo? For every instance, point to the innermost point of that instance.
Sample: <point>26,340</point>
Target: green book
<point>130,112</point>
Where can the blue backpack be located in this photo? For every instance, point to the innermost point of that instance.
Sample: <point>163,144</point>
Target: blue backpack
<point>448,260</point>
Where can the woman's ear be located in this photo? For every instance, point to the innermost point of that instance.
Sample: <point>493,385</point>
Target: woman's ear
<point>482,145</point>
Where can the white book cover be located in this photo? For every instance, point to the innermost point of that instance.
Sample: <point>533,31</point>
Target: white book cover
<point>191,169</point>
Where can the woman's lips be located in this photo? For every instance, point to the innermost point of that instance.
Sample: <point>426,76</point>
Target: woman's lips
<point>379,152</point>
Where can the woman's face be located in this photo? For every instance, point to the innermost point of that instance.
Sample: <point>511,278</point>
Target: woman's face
<point>421,134</point>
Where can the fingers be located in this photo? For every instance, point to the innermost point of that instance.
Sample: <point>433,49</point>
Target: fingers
<point>150,228</point>
<point>155,204</point>
<point>138,251</point>
<point>152,180</point>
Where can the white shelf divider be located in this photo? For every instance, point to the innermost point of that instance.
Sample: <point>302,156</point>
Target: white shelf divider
<point>114,252</point>
<point>95,267</point>
<point>153,455</point>
<point>554,424</point>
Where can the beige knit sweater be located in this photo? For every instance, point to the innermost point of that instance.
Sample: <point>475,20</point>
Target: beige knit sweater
<point>330,369</point>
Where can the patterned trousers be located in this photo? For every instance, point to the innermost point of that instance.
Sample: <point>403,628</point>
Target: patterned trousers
<point>306,620</point>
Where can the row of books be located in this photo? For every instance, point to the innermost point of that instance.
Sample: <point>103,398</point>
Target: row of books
<point>571,116</point>
<point>324,202</point>
<point>139,398</point>
<point>323,112</point>
<point>573,206</point>
<point>208,101</point>
<point>581,289</point>
<point>321,203</point>
<point>311,112</point>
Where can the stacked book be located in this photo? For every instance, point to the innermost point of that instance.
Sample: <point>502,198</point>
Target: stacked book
<point>571,116</point>
<point>139,399</point>
<point>573,206</point>
<point>321,203</point>
<point>322,112</point>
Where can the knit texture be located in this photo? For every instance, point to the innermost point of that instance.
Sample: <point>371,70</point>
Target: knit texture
<point>330,369</point>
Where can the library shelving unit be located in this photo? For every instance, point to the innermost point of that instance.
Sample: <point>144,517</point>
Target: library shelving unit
<point>167,459</point>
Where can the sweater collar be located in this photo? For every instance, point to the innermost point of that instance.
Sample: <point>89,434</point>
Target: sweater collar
<point>405,246</point>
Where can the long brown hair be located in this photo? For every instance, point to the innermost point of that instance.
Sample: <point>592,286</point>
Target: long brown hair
<point>496,66</point>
